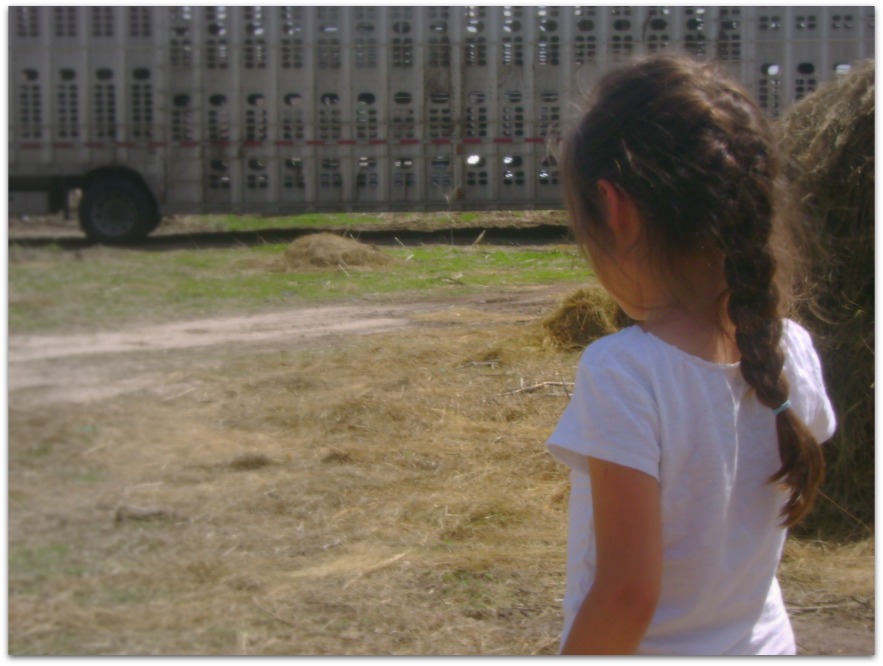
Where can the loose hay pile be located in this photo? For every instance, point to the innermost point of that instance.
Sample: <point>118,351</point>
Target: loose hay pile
<point>829,137</point>
<point>585,315</point>
<point>330,250</point>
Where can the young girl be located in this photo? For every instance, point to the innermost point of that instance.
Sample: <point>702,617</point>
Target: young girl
<point>692,437</point>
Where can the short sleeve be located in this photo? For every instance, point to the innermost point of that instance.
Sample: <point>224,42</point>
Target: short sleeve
<point>808,384</point>
<point>611,416</point>
<point>823,423</point>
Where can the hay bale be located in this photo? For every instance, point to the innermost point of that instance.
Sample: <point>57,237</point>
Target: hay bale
<point>829,137</point>
<point>326,250</point>
<point>585,315</point>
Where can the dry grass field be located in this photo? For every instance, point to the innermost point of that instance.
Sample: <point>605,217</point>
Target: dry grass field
<point>362,492</point>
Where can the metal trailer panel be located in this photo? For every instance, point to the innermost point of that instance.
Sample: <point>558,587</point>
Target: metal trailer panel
<point>286,109</point>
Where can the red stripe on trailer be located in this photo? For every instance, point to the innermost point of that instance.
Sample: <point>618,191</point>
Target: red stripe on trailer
<point>285,143</point>
<point>535,139</point>
<point>346,142</point>
<point>503,140</point>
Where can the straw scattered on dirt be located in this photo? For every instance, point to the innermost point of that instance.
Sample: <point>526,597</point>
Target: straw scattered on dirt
<point>386,494</point>
<point>379,494</point>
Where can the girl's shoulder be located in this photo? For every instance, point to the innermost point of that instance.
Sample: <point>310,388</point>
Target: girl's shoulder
<point>641,356</point>
<point>626,350</point>
<point>627,340</point>
<point>635,348</point>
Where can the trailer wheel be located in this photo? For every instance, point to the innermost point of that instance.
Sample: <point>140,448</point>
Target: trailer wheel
<point>116,210</point>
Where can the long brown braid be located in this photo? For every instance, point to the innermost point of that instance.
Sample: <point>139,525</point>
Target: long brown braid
<point>698,158</point>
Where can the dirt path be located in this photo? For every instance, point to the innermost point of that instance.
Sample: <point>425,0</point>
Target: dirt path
<point>296,325</point>
<point>81,368</point>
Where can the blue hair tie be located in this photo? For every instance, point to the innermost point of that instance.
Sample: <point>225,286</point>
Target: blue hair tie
<point>781,408</point>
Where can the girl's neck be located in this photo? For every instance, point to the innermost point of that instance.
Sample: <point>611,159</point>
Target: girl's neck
<point>698,336</point>
<point>695,320</point>
<point>679,301</point>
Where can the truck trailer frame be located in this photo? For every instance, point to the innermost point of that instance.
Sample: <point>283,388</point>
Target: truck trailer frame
<point>153,111</point>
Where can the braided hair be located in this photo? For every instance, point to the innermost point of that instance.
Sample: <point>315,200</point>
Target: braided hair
<point>698,158</point>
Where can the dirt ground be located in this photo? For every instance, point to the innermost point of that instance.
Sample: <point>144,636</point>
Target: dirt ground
<point>165,364</point>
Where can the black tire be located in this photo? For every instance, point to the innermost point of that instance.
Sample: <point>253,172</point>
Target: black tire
<point>116,210</point>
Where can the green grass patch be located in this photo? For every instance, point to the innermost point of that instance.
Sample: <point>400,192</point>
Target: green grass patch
<point>307,220</point>
<point>366,221</point>
<point>53,291</point>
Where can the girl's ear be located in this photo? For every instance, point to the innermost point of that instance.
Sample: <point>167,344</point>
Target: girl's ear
<point>623,218</point>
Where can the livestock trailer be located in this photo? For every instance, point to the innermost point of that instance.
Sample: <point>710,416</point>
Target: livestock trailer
<point>187,110</point>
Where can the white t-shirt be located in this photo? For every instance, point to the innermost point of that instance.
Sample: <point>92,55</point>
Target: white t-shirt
<point>696,427</point>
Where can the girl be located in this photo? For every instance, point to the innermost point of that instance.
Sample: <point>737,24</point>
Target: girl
<point>693,436</point>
